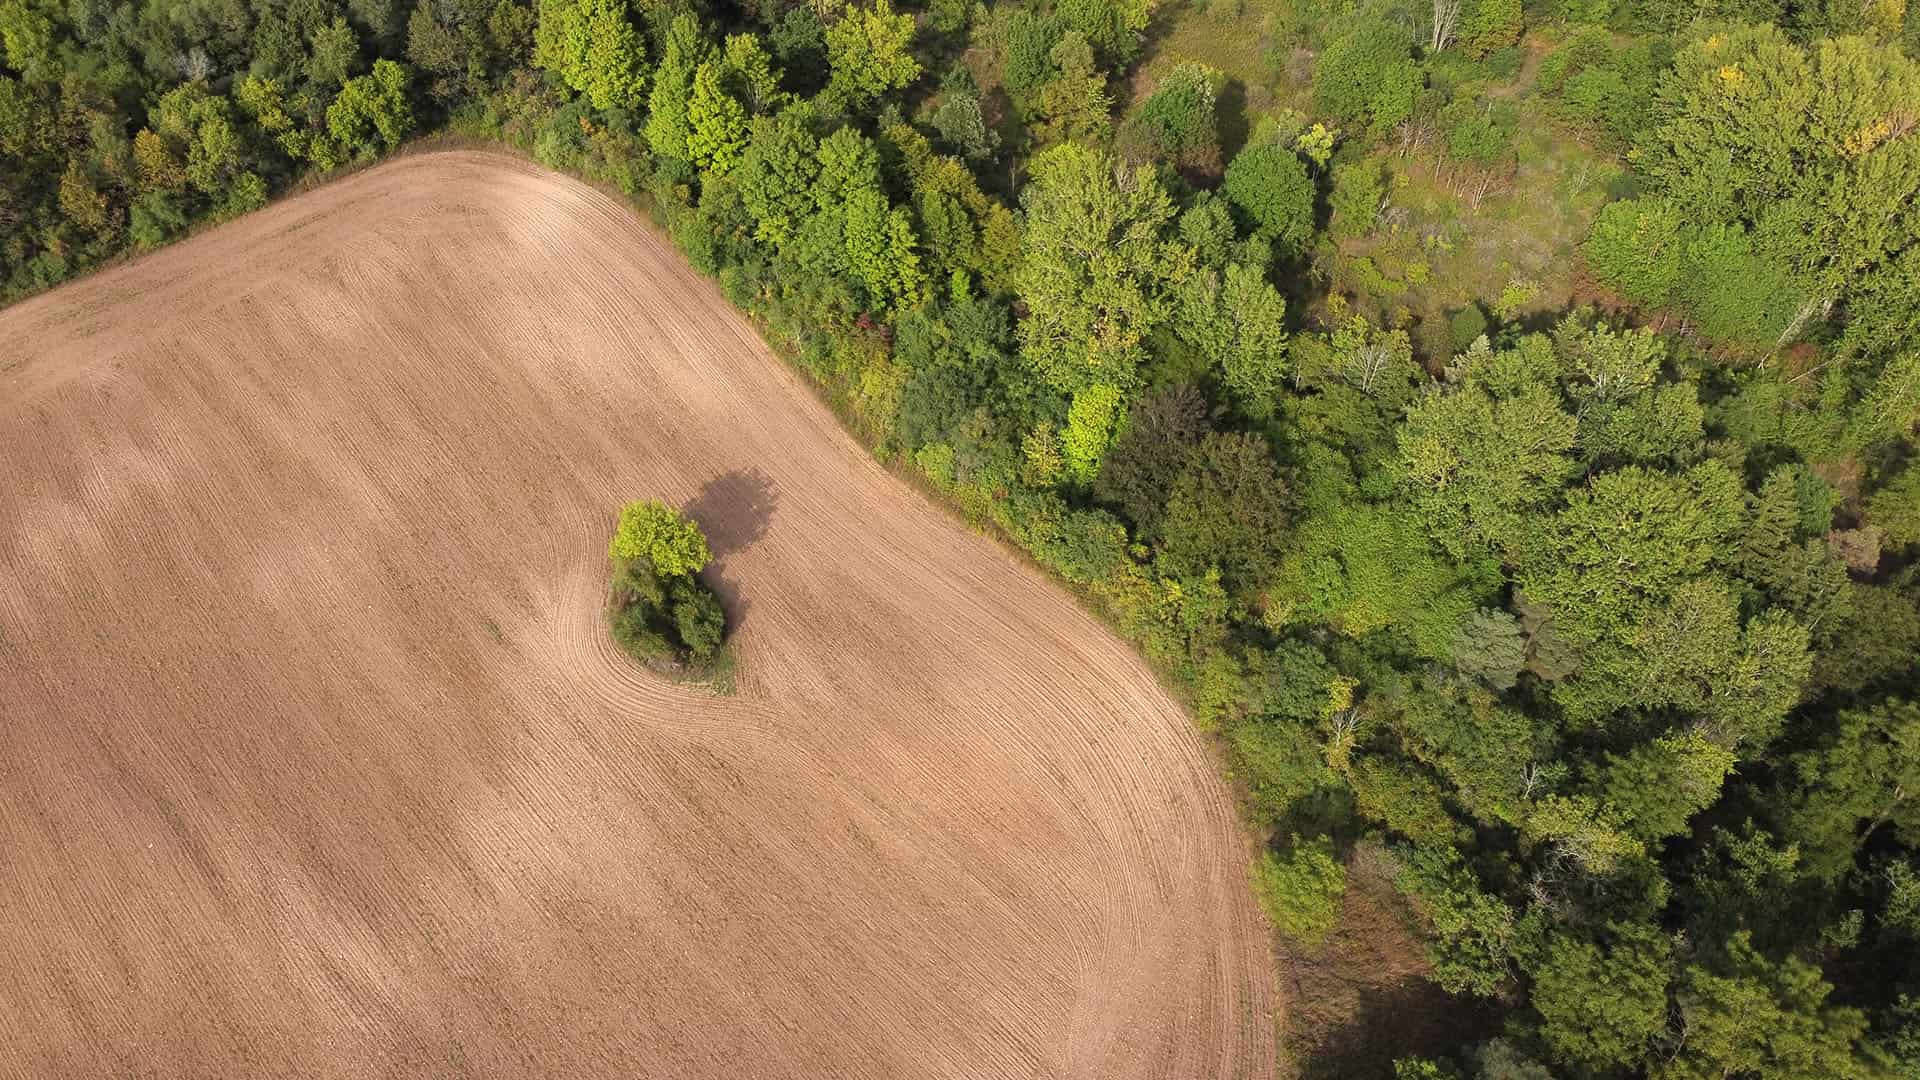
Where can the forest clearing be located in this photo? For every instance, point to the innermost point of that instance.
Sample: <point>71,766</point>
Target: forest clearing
<point>320,761</point>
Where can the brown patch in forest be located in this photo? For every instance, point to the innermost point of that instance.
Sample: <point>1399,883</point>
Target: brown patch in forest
<point>1361,999</point>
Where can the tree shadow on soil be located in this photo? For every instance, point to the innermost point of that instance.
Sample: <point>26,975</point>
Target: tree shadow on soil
<point>733,509</point>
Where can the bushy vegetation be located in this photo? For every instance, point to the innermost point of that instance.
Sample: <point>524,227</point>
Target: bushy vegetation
<point>1546,514</point>
<point>1301,890</point>
<point>660,611</point>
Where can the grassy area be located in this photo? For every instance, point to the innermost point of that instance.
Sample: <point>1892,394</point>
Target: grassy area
<point>1452,235</point>
<point>1449,235</point>
<point>1250,42</point>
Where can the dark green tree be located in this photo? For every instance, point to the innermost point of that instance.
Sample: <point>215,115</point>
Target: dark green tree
<point>1269,183</point>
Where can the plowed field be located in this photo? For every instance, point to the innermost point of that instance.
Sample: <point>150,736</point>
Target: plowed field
<point>316,760</point>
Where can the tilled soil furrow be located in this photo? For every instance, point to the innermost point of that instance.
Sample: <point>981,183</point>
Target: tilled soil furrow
<point>316,758</point>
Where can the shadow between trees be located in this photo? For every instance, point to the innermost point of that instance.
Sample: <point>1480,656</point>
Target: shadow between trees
<point>1361,999</point>
<point>1405,1018</point>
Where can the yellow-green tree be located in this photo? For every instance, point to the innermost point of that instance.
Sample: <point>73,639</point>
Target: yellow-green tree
<point>668,540</point>
<point>869,50</point>
<point>593,47</point>
<point>716,123</point>
<point>371,113</point>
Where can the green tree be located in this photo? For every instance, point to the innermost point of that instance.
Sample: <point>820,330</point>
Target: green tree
<point>1255,360</point>
<point>1874,641</point>
<point>1865,777</point>
<point>1090,421</point>
<point>371,113</point>
<point>1301,890</point>
<point>670,542</point>
<point>1424,1069</point>
<point>1161,433</point>
<point>1883,304</point>
<point>1094,268</point>
<point>1471,932</point>
<point>1480,133</point>
<point>1660,785</point>
<point>777,173</point>
<point>1359,189</point>
<point>668,127</point>
<point>1889,411</point>
<point>1784,550</point>
<point>593,47</point>
<point>870,49</point>
<point>751,74</point>
<point>1362,568</point>
<point>1074,104</point>
<point>1238,317</point>
<point>1606,368</point>
<point>716,123</point>
<point>854,232</point>
<point>1027,40</point>
<point>1489,25</point>
<point>81,201</point>
<point>1269,182</point>
<point>1738,292</point>
<point>698,618</point>
<point>1481,468</point>
<point>1177,122</point>
<point>959,118</point>
<point>1895,509</point>
<point>881,249</point>
<point>660,610</point>
<point>1745,1016</point>
<point>1792,151</point>
<point>432,45</point>
<point>1465,325</point>
<point>198,127</point>
<point>1115,27</point>
<point>1226,510</point>
<point>1207,226</point>
<point>1367,76</point>
<point>1636,247</point>
<point>336,53</point>
<point>27,37</point>
<point>1629,538</point>
<point>1603,1008</point>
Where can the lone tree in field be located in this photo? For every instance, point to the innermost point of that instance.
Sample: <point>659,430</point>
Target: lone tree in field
<point>662,612</point>
<point>668,540</point>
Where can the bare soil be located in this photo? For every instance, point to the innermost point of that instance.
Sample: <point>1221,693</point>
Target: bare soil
<point>316,758</point>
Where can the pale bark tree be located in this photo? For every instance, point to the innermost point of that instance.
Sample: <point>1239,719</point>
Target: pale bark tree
<point>1446,20</point>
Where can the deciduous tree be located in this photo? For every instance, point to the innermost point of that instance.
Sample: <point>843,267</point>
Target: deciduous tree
<point>1269,183</point>
<point>1095,268</point>
<point>870,49</point>
<point>670,542</point>
<point>372,113</point>
<point>593,47</point>
<point>668,126</point>
<point>716,123</point>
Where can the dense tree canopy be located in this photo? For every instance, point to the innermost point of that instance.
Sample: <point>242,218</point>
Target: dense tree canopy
<point>1787,177</point>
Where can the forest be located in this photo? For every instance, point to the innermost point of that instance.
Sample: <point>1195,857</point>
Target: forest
<point>1496,417</point>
